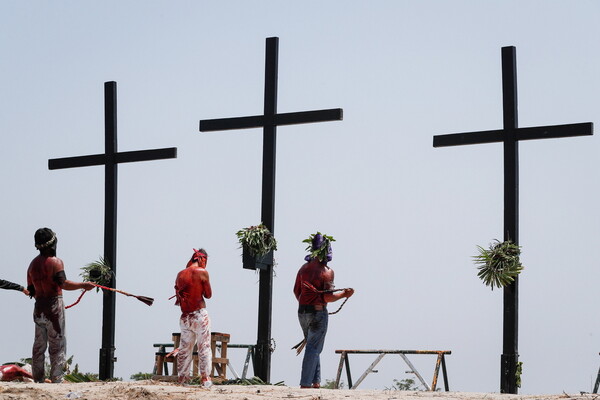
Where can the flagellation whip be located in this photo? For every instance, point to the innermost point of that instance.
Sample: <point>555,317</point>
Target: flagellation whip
<point>99,272</point>
<point>146,300</point>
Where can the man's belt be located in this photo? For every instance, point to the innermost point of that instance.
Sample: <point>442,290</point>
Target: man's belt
<point>310,308</point>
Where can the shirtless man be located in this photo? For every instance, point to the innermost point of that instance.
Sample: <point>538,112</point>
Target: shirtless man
<point>312,279</point>
<point>46,280</point>
<point>13,286</point>
<point>192,286</point>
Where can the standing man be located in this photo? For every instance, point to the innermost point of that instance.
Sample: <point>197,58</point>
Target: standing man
<point>192,286</point>
<point>13,286</point>
<point>46,280</point>
<point>313,290</point>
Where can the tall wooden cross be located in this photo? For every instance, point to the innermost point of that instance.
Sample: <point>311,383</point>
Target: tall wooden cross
<point>269,122</point>
<point>510,135</point>
<point>110,159</point>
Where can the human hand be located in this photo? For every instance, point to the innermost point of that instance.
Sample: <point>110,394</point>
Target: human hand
<point>348,292</point>
<point>88,286</point>
<point>25,291</point>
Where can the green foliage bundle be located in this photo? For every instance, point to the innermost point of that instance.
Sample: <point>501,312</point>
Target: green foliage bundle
<point>330,384</point>
<point>500,264</point>
<point>258,239</point>
<point>78,377</point>
<point>518,373</point>
<point>405,384</point>
<point>323,251</point>
<point>98,272</point>
<point>141,376</point>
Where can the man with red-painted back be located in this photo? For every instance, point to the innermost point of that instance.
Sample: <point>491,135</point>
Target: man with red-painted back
<point>192,287</point>
<point>46,280</point>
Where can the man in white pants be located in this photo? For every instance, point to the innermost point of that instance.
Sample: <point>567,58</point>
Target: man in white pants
<point>192,286</point>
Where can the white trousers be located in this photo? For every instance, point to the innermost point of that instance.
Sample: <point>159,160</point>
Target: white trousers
<point>195,329</point>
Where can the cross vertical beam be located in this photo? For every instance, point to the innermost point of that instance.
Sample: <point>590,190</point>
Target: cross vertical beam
<point>269,122</point>
<point>107,351</point>
<point>110,159</point>
<point>265,287</point>
<point>510,341</point>
<point>510,136</point>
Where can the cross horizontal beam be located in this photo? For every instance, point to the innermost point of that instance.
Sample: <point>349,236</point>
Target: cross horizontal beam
<point>538,132</point>
<point>121,157</point>
<point>259,121</point>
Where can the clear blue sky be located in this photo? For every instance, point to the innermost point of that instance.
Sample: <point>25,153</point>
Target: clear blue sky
<point>407,217</point>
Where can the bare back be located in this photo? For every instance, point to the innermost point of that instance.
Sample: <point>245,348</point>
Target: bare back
<point>41,274</point>
<point>192,286</point>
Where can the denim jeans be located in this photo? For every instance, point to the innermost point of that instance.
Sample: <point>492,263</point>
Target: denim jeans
<point>314,327</point>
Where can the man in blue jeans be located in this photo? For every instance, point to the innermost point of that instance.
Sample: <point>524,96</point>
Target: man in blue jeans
<point>313,290</point>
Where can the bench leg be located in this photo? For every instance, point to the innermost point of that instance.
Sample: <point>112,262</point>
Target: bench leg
<point>348,374</point>
<point>158,367</point>
<point>339,372</point>
<point>249,354</point>
<point>445,373</point>
<point>597,383</point>
<point>414,370</point>
<point>436,371</point>
<point>368,371</point>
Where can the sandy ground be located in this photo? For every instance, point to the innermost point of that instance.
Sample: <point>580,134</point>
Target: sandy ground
<point>152,390</point>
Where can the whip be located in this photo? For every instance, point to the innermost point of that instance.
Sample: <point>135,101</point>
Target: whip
<point>146,300</point>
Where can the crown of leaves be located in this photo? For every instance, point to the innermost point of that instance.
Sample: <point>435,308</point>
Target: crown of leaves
<point>323,249</point>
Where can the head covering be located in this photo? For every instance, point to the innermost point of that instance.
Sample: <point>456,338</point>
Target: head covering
<point>199,255</point>
<point>318,242</point>
<point>44,238</point>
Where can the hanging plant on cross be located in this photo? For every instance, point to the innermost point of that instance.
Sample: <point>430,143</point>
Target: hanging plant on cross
<point>257,239</point>
<point>98,272</point>
<point>500,264</point>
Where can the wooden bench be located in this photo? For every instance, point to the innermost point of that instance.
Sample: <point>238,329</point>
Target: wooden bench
<point>219,361</point>
<point>441,361</point>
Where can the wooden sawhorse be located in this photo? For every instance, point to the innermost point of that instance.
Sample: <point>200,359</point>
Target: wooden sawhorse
<point>441,361</point>
<point>219,364</point>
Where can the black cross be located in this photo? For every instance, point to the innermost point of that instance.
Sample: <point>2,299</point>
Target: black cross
<point>269,122</point>
<point>110,159</point>
<point>510,136</point>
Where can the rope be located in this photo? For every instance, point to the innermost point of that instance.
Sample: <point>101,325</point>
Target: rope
<point>101,287</point>
<point>340,309</point>
<point>78,299</point>
<point>300,346</point>
<point>82,293</point>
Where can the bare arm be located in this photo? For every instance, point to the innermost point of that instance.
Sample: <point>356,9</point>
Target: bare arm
<point>61,279</point>
<point>331,297</point>
<point>206,283</point>
<point>70,285</point>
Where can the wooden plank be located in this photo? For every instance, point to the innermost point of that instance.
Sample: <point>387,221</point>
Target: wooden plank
<point>393,351</point>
